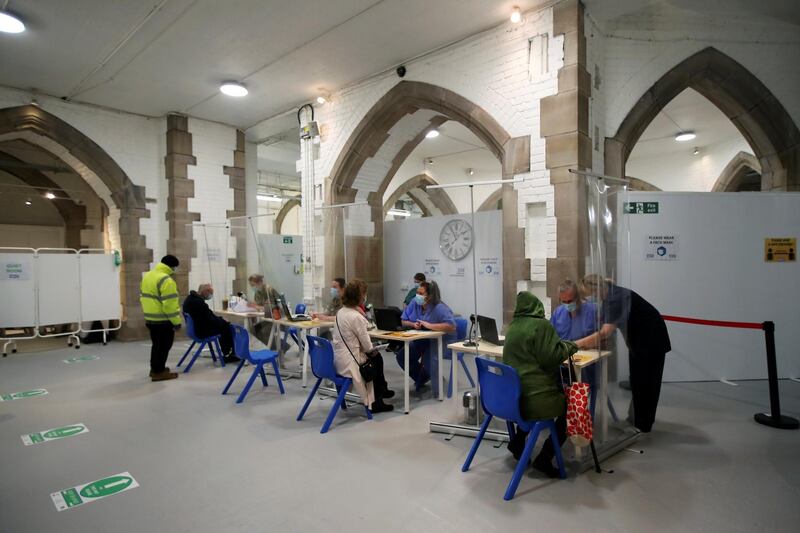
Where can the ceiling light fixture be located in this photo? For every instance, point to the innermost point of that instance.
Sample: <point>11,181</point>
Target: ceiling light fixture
<point>49,195</point>
<point>269,198</point>
<point>471,171</point>
<point>516,15</point>
<point>432,134</point>
<point>233,88</point>
<point>10,23</point>
<point>398,213</point>
<point>429,161</point>
<point>28,202</point>
<point>321,100</point>
<point>684,136</point>
<point>696,150</point>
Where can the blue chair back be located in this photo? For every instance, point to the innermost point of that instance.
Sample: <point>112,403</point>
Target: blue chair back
<point>241,342</point>
<point>300,309</point>
<point>500,389</point>
<point>190,327</point>
<point>461,328</point>
<point>321,353</point>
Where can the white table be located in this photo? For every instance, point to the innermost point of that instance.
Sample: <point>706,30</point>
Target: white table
<point>407,337</point>
<point>304,326</point>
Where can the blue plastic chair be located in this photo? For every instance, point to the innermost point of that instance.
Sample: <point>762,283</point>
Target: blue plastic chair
<point>500,394</point>
<point>321,352</point>
<point>461,333</point>
<point>299,309</point>
<point>211,342</point>
<point>241,342</point>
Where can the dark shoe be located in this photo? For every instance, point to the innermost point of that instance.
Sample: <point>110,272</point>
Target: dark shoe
<point>388,394</point>
<point>517,445</point>
<point>545,466</point>
<point>166,369</point>
<point>231,359</point>
<point>625,385</point>
<point>380,407</point>
<point>164,376</point>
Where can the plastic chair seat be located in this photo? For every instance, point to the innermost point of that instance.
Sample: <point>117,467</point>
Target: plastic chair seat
<point>211,342</point>
<point>241,341</point>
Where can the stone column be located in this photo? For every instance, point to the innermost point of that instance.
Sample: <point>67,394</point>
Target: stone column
<point>565,128</point>
<point>236,179</point>
<point>179,156</point>
<point>516,267</point>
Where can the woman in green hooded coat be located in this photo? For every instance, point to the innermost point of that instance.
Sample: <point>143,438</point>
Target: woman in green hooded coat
<point>536,352</point>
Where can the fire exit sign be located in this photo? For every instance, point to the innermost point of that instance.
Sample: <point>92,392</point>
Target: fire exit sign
<point>287,240</point>
<point>641,208</point>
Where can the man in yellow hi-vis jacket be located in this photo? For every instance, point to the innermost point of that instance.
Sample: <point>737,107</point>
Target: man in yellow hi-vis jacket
<point>159,299</point>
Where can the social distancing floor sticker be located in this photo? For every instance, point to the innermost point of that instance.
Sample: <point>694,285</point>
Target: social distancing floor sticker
<point>93,491</point>
<point>23,394</point>
<point>81,359</point>
<point>54,434</point>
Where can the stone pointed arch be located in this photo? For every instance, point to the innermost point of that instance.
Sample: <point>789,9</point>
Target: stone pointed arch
<point>369,136</point>
<point>745,100</point>
<point>104,175</point>
<point>635,184</point>
<point>734,172</point>
<point>284,210</point>
<point>438,197</point>
<point>493,202</point>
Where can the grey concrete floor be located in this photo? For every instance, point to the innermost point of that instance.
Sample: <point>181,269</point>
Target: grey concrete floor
<point>207,464</point>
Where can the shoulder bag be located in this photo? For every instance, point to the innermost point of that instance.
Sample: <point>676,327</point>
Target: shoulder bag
<point>367,369</point>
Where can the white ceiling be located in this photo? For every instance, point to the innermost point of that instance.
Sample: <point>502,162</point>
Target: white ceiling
<point>689,111</point>
<point>782,10</point>
<point>153,57</point>
<point>456,146</point>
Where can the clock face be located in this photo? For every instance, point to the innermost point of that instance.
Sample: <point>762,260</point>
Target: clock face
<point>455,240</point>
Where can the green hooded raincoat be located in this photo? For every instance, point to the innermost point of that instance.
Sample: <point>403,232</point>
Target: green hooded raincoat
<point>535,351</point>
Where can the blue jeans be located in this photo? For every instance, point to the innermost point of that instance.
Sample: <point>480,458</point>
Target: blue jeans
<point>422,363</point>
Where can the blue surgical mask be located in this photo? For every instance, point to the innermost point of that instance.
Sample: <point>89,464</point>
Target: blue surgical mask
<point>420,299</point>
<point>209,296</point>
<point>571,307</point>
<point>334,293</point>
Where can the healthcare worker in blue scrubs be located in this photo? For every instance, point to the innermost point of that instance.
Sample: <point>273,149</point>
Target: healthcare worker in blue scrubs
<point>426,311</point>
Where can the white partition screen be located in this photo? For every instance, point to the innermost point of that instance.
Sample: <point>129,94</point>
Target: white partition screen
<point>17,290</point>
<point>99,284</point>
<point>59,288</point>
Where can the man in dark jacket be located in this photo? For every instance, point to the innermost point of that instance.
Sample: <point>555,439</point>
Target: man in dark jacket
<point>206,323</point>
<point>647,338</point>
<point>536,352</point>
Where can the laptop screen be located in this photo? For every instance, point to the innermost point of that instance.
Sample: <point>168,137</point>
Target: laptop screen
<point>488,328</point>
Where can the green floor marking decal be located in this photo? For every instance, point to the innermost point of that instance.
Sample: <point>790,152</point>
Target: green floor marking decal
<point>54,434</point>
<point>81,494</point>
<point>23,394</point>
<point>81,359</point>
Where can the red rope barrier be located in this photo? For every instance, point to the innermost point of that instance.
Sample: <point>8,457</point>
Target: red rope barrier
<point>718,323</point>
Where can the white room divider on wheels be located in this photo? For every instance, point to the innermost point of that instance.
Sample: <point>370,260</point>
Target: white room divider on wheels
<point>704,256</point>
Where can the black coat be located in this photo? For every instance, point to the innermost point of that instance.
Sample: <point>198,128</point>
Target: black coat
<point>206,323</point>
<point>640,323</point>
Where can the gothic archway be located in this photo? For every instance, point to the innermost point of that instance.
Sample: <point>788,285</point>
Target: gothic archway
<point>493,202</point>
<point>735,172</point>
<point>104,175</point>
<point>284,210</point>
<point>438,197</point>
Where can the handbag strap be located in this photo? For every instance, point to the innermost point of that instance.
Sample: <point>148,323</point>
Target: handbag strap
<point>336,319</point>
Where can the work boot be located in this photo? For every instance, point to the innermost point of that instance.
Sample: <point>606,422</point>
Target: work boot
<point>231,359</point>
<point>380,407</point>
<point>164,376</point>
<point>388,393</point>
<point>166,369</point>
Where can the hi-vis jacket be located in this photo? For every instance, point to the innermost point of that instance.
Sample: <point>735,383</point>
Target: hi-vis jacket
<point>159,296</point>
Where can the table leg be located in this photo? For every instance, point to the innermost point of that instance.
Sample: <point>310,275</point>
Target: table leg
<point>305,356</point>
<point>405,377</point>
<point>601,408</point>
<point>441,374</point>
<point>454,380</point>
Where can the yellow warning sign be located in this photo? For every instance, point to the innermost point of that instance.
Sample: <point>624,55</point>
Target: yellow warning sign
<point>780,249</point>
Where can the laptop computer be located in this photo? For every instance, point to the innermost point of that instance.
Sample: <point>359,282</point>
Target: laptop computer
<point>388,319</point>
<point>291,317</point>
<point>488,329</point>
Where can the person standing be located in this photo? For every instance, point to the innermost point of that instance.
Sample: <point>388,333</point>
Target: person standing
<point>159,299</point>
<point>419,278</point>
<point>647,338</point>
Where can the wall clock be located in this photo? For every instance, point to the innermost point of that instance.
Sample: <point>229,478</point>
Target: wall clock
<point>455,239</point>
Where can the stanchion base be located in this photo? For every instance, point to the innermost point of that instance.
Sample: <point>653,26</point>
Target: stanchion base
<point>784,422</point>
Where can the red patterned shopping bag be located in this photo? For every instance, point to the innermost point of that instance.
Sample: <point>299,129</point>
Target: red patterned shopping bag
<point>579,417</point>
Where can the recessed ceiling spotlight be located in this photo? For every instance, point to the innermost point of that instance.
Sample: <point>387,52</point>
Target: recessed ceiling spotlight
<point>28,202</point>
<point>10,23</point>
<point>471,171</point>
<point>429,161</point>
<point>321,100</point>
<point>232,88</point>
<point>432,134</point>
<point>684,136</point>
<point>516,15</point>
<point>49,195</point>
<point>696,150</point>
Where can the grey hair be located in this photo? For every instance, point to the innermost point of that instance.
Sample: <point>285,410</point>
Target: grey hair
<point>203,287</point>
<point>569,285</point>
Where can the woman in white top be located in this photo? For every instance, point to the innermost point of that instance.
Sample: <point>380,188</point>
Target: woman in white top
<point>352,346</point>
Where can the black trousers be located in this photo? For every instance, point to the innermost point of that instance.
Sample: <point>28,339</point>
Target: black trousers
<point>162,334</point>
<point>647,369</point>
<point>222,328</point>
<point>379,384</point>
<point>548,452</point>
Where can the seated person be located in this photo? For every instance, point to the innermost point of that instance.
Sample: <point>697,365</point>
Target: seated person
<point>419,277</point>
<point>337,290</point>
<point>426,311</point>
<point>352,346</point>
<point>206,323</point>
<point>536,352</point>
<point>265,299</point>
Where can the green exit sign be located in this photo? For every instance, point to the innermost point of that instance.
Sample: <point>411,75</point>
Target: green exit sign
<point>287,240</point>
<point>641,208</point>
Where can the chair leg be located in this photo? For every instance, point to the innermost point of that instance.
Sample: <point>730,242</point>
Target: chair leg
<point>557,447</point>
<point>466,370</point>
<point>263,375</point>
<point>523,462</point>
<point>278,375</point>
<point>233,377</point>
<point>250,382</point>
<point>336,404</point>
<point>308,400</point>
<point>186,353</point>
<point>219,351</point>
<point>511,431</point>
<point>194,357</point>
<point>211,349</point>
<point>450,379</point>
<point>369,413</point>
<point>477,443</point>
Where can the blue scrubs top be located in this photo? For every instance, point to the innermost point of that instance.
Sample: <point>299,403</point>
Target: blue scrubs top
<point>438,314</point>
<point>583,324</point>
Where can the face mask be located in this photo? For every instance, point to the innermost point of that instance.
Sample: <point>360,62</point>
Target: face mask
<point>416,285</point>
<point>208,296</point>
<point>334,293</point>
<point>571,307</point>
<point>591,299</point>
<point>420,299</point>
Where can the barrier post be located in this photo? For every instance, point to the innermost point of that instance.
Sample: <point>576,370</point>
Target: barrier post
<point>774,418</point>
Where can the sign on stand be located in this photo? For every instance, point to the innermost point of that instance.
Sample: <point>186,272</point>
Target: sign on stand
<point>96,490</point>
<point>23,394</point>
<point>54,434</point>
